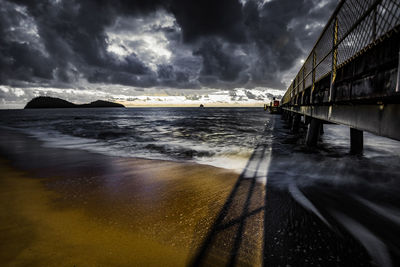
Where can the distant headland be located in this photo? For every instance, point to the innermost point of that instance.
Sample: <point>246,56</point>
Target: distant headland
<point>54,102</point>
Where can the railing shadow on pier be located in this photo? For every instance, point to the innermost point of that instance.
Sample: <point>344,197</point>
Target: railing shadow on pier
<point>267,220</point>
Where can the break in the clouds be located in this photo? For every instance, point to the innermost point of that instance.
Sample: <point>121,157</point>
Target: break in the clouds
<point>182,44</point>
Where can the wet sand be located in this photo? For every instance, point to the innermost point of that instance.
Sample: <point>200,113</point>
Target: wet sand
<point>74,208</point>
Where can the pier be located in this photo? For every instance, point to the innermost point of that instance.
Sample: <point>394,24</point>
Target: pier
<point>308,215</point>
<point>352,75</point>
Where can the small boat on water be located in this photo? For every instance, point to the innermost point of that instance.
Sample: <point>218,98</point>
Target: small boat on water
<point>273,107</point>
<point>201,106</point>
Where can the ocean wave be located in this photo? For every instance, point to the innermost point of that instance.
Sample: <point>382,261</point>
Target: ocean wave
<point>220,138</point>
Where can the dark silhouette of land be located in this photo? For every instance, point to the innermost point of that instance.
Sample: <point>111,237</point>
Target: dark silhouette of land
<point>53,102</point>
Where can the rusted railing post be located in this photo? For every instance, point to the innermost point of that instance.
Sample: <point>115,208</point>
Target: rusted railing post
<point>334,58</point>
<point>374,25</point>
<point>398,75</point>
<point>314,62</point>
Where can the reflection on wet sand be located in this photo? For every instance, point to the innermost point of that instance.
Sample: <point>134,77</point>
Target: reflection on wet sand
<point>136,215</point>
<point>35,233</point>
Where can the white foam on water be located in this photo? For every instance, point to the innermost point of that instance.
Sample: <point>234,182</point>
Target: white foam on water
<point>233,158</point>
<point>390,213</point>
<point>305,202</point>
<point>375,247</point>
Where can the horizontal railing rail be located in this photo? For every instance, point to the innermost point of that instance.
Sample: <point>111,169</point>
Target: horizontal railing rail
<point>354,26</point>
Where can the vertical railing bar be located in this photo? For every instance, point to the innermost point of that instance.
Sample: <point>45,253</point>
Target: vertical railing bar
<point>313,76</point>
<point>304,84</point>
<point>374,25</point>
<point>398,75</point>
<point>334,58</point>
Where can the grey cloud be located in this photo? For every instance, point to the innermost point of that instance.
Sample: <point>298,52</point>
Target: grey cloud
<point>219,62</point>
<point>250,95</point>
<point>165,72</point>
<point>171,77</point>
<point>209,18</point>
<point>73,35</point>
<point>277,45</point>
<point>219,44</point>
<point>20,57</point>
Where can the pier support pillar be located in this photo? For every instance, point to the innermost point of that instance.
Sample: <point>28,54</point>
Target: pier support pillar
<point>284,115</point>
<point>290,119</point>
<point>314,129</point>
<point>321,132</point>
<point>296,123</point>
<point>307,120</point>
<point>356,141</point>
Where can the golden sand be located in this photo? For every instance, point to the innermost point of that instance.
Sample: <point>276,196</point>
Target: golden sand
<point>139,213</point>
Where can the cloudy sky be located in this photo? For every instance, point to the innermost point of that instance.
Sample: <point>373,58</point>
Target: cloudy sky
<point>87,49</point>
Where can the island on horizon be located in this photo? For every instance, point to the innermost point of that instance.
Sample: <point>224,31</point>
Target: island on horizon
<point>54,102</point>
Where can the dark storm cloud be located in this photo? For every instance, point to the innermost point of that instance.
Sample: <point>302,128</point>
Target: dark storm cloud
<point>280,34</point>
<point>19,59</point>
<point>212,43</point>
<point>209,17</point>
<point>168,75</point>
<point>73,36</point>
<point>218,61</point>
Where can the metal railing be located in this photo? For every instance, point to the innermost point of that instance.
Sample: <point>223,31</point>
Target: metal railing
<point>354,26</point>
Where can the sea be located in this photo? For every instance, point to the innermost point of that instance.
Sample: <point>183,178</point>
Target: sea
<point>360,192</point>
<point>222,137</point>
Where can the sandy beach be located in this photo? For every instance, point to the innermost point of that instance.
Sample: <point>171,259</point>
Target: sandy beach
<point>74,208</point>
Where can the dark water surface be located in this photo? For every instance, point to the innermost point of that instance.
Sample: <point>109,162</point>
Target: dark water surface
<point>313,207</point>
<point>218,136</point>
